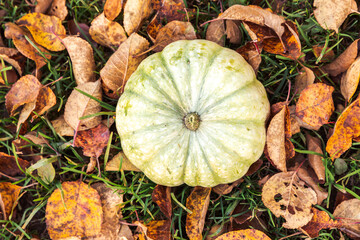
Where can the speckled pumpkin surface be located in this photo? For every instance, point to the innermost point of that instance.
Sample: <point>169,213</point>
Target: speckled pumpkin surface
<point>193,113</point>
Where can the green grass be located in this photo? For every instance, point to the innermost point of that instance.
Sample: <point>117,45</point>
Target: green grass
<point>275,72</point>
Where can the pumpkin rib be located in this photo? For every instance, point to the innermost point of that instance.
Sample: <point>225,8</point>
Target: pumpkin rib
<point>148,128</point>
<point>186,156</point>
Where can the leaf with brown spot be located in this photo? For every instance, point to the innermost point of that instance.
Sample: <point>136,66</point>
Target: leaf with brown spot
<point>9,166</point>
<point>161,196</point>
<point>315,161</point>
<point>9,194</point>
<point>233,32</point>
<point>198,203</point>
<point>247,234</point>
<point>25,113</point>
<point>45,100</point>
<point>347,127</point>
<point>286,195</point>
<point>251,52</point>
<point>350,80</point>
<point>323,55</point>
<point>112,9</point>
<point>42,6</point>
<point>135,12</point>
<point>305,78</point>
<point>106,32</point>
<point>315,105</point>
<point>153,28</point>
<point>348,213</point>
<point>46,30</point>
<point>216,32</point>
<point>159,230</point>
<point>120,162</point>
<point>122,64</point>
<point>58,9</point>
<point>82,58</point>
<point>79,105</point>
<point>74,211</point>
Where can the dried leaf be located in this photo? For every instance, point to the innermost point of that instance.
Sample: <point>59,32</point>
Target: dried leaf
<point>198,203</point>
<point>42,5</point>
<point>58,9</point>
<point>25,113</point>
<point>223,189</point>
<point>61,127</point>
<point>233,32</point>
<point>46,30</point>
<point>247,234</point>
<point>216,32</point>
<point>331,14</point>
<point>159,230</point>
<point>75,210</point>
<point>350,81</point>
<point>78,105</point>
<point>305,78</point>
<point>348,212</point>
<point>161,196</point>
<point>346,128</point>
<point>286,195</point>
<point>82,58</point>
<point>106,32</point>
<point>120,162</point>
<point>314,145</point>
<point>122,64</point>
<point>327,56</point>
<point>81,30</point>
<point>8,165</point>
<point>251,52</point>
<point>112,9</point>
<point>315,105</point>
<point>9,194</point>
<point>12,62</point>
<point>45,100</point>
<point>135,12</point>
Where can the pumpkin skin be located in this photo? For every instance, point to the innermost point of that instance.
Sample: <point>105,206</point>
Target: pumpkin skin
<point>192,80</point>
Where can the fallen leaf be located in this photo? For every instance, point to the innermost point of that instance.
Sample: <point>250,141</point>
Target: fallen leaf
<point>327,56</point>
<point>348,213</point>
<point>153,28</point>
<point>25,113</point>
<point>331,14</point>
<point>315,161</point>
<point>9,194</point>
<point>81,30</point>
<point>7,76</point>
<point>215,231</point>
<point>350,80</point>
<point>25,90</point>
<point>346,128</point>
<point>58,9</point>
<point>343,62</point>
<point>106,32</point>
<point>159,230</point>
<point>42,6</point>
<point>122,64</point>
<point>223,189</point>
<point>198,203</point>
<point>247,234</point>
<point>161,196</point>
<point>305,78</point>
<point>46,171</point>
<point>135,12</point>
<point>74,211</point>
<point>79,105</point>
<point>93,140</point>
<point>46,30</point>
<point>120,162</point>
<point>45,100</point>
<point>286,195</point>
<point>82,58</point>
<point>10,52</point>
<point>112,9</point>
<point>12,62</point>
<point>61,127</point>
<point>216,32</point>
<point>251,52</point>
<point>233,32</point>
<point>315,105</point>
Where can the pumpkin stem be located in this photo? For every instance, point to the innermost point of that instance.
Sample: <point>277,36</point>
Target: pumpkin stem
<point>192,121</point>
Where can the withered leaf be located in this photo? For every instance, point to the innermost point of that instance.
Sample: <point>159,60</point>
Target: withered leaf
<point>79,105</point>
<point>122,64</point>
<point>223,189</point>
<point>42,6</point>
<point>350,80</point>
<point>251,52</point>
<point>327,56</point>
<point>9,166</point>
<point>315,105</point>
<point>120,162</point>
<point>9,194</point>
<point>12,62</point>
<point>134,13</point>
<point>46,30</point>
<point>314,145</point>
<point>82,58</point>
<point>233,32</point>
<point>25,113</point>
<point>348,212</point>
<point>61,127</point>
<point>246,234</point>
<point>159,230</point>
<point>112,9</point>
<point>45,100</point>
<point>216,32</point>
<point>58,9</point>
<point>161,196</point>
<point>305,78</point>
<point>285,195</point>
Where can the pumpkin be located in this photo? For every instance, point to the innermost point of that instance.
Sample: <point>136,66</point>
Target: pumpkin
<point>193,113</point>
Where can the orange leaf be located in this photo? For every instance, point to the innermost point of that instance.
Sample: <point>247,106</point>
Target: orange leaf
<point>251,52</point>
<point>315,105</point>
<point>161,196</point>
<point>159,230</point>
<point>247,234</point>
<point>197,203</point>
<point>9,194</point>
<point>45,100</point>
<point>58,9</point>
<point>112,9</point>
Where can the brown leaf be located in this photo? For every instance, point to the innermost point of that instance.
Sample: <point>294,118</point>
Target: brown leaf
<point>350,80</point>
<point>343,62</point>
<point>135,12</point>
<point>25,90</point>
<point>93,140</point>
<point>171,32</point>
<point>74,211</point>
<point>314,145</point>
<point>286,195</point>
<point>120,162</point>
<point>348,213</point>
<point>46,30</point>
<point>161,196</point>
<point>12,62</point>
<point>42,6</point>
<point>122,64</point>
<point>61,127</point>
<point>159,230</point>
<point>106,32</point>
<point>347,127</point>
<point>25,113</point>
<point>80,29</point>
<point>251,52</point>
<point>112,9</point>
<point>215,231</point>
<point>58,9</point>
<point>247,234</point>
<point>9,166</point>
<point>331,14</point>
<point>198,203</point>
<point>78,105</point>
<point>9,194</point>
<point>233,32</point>
<point>216,32</point>
<point>223,189</point>
<point>327,56</point>
<point>305,78</point>
<point>315,105</point>
<point>45,100</point>
<point>82,58</point>
<point>153,28</point>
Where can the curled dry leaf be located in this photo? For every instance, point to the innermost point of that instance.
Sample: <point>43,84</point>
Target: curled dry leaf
<point>58,9</point>
<point>161,196</point>
<point>106,32</point>
<point>343,62</point>
<point>25,113</point>
<point>331,14</point>
<point>46,30</point>
<point>314,145</point>
<point>82,58</point>
<point>247,234</point>
<point>159,230</point>
<point>12,62</point>
<point>61,127</point>
<point>79,105</point>
<point>223,189</point>
<point>198,203</point>
<point>251,52</point>
<point>286,195</point>
<point>216,32</point>
<point>350,81</point>
<point>120,162</point>
<point>135,12</point>
<point>347,127</point>
<point>42,6</point>
<point>315,105</point>
<point>122,64</point>
<point>233,32</point>
<point>8,165</point>
<point>305,78</point>
<point>327,56</point>
<point>75,211</point>
<point>45,100</point>
<point>348,213</point>
<point>112,9</point>
<point>9,194</point>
